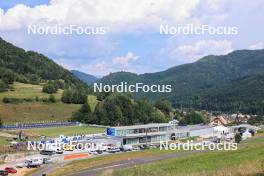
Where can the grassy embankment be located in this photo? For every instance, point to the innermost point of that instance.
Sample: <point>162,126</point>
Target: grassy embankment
<point>248,160</point>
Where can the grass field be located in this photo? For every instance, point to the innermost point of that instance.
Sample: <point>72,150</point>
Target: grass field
<point>36,111</point>
<point>3,141</point>
<point>22,90</point>
<point>248,160</point>
<point>56,131</point>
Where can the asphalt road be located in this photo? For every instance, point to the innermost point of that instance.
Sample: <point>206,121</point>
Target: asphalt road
<point>131,163</point>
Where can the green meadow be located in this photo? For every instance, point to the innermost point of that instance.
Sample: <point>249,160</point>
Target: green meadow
<point>248,160</point>
<point>35,111</point>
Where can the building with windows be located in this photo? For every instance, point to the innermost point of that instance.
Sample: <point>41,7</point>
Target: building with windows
<point>143,134</point>
<point>162,132</point>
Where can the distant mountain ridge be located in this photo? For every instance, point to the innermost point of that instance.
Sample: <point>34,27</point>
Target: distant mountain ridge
<point>206,83</point>
<point>87,78</point>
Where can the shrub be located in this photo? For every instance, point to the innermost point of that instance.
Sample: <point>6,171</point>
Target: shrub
<point>12,100</point>
<point>50,88</point>
<point>52,99</point>
<point>36,98</point>
<point>74,96</point>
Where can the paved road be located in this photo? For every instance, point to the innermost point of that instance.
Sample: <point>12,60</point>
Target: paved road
<point>130,163</point>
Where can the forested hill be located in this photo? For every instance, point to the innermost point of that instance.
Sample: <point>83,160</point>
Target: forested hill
<point>31,67</point>
<point>213,82</point>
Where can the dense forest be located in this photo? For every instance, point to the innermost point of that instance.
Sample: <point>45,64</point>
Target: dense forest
<point>230,83</point>
<point>121,109</point>
<point>19,65</point>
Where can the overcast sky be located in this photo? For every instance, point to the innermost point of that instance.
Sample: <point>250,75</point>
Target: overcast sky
<point>132,40</point>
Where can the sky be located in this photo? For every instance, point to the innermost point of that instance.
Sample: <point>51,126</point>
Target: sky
<point>131,39</point>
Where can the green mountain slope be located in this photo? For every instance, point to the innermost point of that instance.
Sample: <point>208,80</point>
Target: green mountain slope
<point>209,76</point>
<point>29,66</point>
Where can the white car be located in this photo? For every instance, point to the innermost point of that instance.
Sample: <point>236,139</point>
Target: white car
<point>113,149</point>
<point>93,152</point>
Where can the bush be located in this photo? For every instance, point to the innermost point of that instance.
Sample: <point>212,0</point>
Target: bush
<point>12,100</point>
<point>50,88</point>
<point>74,96</point>
<point>45,100</point>
<point>193,118</point>
<point>52,99</point>
<point>36,98</point>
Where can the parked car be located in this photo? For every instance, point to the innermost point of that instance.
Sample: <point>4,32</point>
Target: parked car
<point>126,148</point>
<point>11,170</point>
<point>3,173</point>
<point>36,162</point>
<point>113,149</point>
<point>153,146</point>
<point>46,160</point>
<point>144,146</point>
<point>20,165</point>
<point>59,151</point>
<point>47,152</point>
<point>99,151</point>
<point>93,152</point>
<point>136,148</point>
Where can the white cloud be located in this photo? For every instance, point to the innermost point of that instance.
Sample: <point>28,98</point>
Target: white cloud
<point>255,46</point>
<point>188,53</point>
<point>116,14</point>
<point>205,47</point>
<point>124,60</point>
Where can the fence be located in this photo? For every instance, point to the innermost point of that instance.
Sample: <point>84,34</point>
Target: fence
<point>38,125</point>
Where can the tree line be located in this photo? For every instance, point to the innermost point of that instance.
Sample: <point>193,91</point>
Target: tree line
<point>121,109</point>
